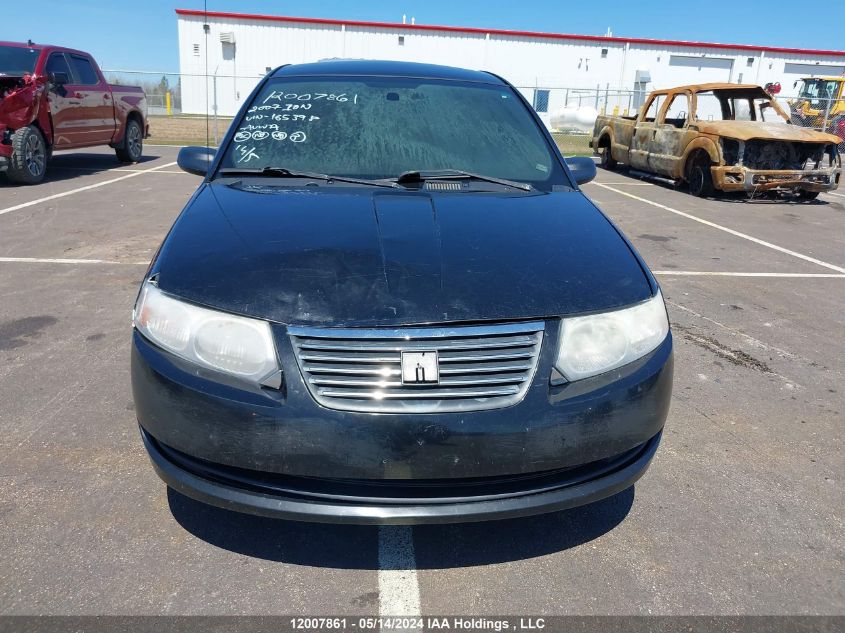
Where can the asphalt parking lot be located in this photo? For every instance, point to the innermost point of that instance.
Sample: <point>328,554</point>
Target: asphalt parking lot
<point>741,512</point>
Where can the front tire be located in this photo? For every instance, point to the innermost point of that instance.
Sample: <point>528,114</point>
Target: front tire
<point>29,156</point>
<point>699,178</point>
<point>606,160</point>
<point>807,196</point>
<point>132,147</point>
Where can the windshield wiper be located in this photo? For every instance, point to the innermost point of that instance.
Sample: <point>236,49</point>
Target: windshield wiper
<point>281,172</point>
<point>455,174</point>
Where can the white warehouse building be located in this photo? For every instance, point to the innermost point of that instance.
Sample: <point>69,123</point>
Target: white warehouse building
<point>551,69</point>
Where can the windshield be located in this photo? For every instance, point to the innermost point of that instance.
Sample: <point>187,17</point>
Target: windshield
<point>15,60</point>
<point>737,105</point>
<point>818,91</point>
<point>381,127</point>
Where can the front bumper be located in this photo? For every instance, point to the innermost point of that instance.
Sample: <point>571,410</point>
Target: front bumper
<point>737,178</point>
<point>222,443</point>
<point>396,503</point>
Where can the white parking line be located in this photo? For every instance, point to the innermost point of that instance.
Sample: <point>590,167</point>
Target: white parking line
<point>55,196</point>
<point>744,236</point>
<point>398,589</point>
<point>629,184</point>
<point>704,273</point>
<point>44,260</point>
<point>95,169</point>
<point>838,195</point>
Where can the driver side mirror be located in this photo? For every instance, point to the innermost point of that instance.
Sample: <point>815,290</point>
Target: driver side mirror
<point>582,168</point>
<point>196,160</point>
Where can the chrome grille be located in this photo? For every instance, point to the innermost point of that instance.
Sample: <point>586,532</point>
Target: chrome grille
<point>480,367</point>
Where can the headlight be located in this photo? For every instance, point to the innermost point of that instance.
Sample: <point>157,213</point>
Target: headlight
<point>225,342</point>
<point>594,344</point>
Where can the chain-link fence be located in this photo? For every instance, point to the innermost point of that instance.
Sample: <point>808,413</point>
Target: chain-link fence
<point>195,108</point>
<point>823,114</point>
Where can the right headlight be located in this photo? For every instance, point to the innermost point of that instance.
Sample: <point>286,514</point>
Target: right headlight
<point>594,344</point>
<point>224,342</point>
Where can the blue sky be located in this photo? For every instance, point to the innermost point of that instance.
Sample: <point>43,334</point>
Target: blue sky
<point>142,35</point>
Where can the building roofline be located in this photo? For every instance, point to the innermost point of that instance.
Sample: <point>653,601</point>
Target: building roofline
<point>507,32</point>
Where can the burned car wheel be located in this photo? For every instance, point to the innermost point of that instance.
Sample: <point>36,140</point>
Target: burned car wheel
<point>699,177</point>
<point>29,156</point>
<point>807,195</point>
<point>606,160</point>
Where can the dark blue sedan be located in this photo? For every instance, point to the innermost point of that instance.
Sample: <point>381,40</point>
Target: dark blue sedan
<point>390,302</point>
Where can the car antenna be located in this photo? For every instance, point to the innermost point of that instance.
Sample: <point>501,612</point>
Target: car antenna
<point>29,42</point>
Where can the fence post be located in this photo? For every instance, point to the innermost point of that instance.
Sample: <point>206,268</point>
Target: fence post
<point>216,142</point>
<point>826,114</point>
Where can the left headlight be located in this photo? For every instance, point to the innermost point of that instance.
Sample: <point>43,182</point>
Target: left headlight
<point>594,344</point>
<point>231,344</point>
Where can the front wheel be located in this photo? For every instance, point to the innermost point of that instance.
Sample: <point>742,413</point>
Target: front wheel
<point>807,195</point>
<point>606,160</point>
<point>700,179</point>
<point>132,147</point>
<point>29,156</point>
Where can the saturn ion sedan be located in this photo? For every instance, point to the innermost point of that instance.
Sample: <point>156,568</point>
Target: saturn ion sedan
<point>389,301</point>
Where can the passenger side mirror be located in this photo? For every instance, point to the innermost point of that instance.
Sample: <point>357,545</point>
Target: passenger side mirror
<point>59,79</point>
<point>196,160</point>
<point>582,168</point>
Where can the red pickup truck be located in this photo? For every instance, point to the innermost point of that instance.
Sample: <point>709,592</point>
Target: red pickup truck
<point>56,98</point>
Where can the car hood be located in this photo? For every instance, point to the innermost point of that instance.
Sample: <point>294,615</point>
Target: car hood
<point>747,130</point>
<point>362,257</point>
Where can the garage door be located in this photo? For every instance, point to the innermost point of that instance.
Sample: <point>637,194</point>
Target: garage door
<point>690,69</point>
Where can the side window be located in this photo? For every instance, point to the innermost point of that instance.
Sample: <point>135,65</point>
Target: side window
<point>654,108</point>
<point>85,72</point>
<point>678,111</point>
<point>57,63</point>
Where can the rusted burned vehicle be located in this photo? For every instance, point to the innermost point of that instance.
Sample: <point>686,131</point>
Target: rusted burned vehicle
<point>730,137</point>
<point>54,98</point>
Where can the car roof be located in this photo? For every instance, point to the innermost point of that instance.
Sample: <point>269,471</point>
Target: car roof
<point>47,47</point>
<point>369,67</point>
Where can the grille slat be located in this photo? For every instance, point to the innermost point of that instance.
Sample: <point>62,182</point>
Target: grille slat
<point>393,346</point>
<point>480,367</point>
<point>351,358</point>
<point>491,379</point>
<point>422,394</point>
<point>481,356</point>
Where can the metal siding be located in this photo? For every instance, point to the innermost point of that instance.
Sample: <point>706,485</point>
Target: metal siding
<point>525,60</point>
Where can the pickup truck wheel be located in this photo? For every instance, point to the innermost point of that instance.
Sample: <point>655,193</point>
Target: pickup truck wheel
<point>29,156</point>
<point>132,147</point>
<point>699,178</point>
<point>605,158</point>
<point>807,195</point>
